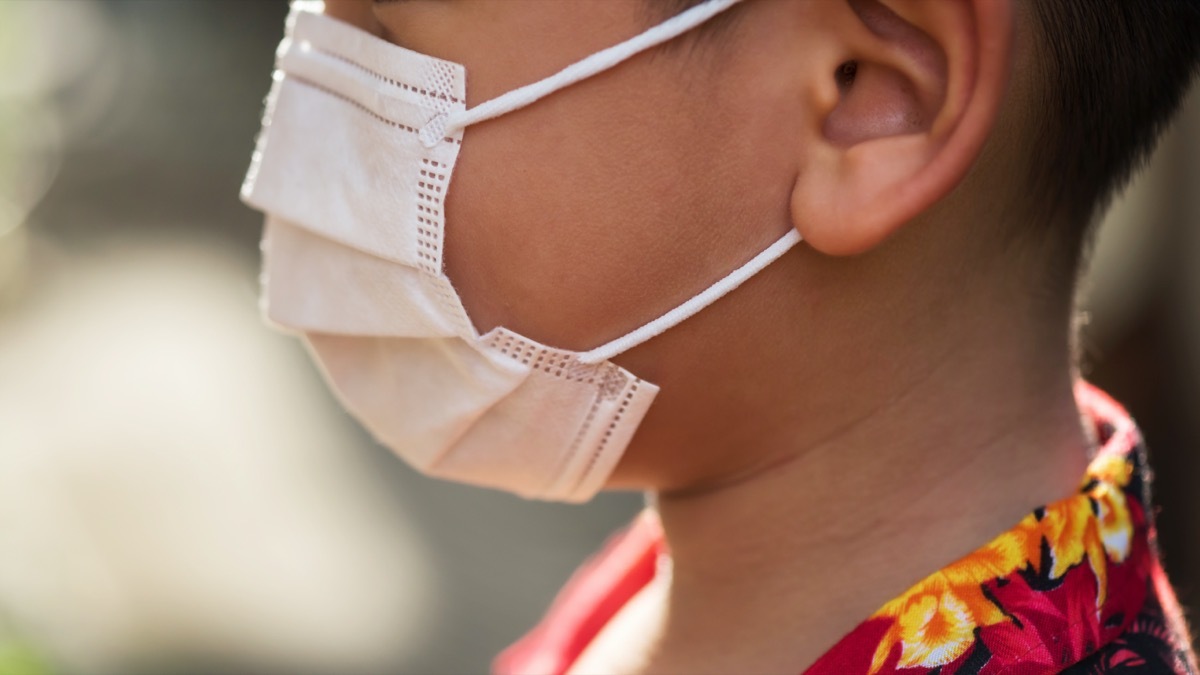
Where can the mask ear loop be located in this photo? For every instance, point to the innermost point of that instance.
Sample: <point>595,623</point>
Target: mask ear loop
<point>704,299</point>
<point>580,70</point>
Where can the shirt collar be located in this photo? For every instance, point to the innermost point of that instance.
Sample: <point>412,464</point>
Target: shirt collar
<point>1067,579</point>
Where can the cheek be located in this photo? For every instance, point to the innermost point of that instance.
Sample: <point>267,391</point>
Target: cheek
<point>562,218</point>
<point>605,205</point>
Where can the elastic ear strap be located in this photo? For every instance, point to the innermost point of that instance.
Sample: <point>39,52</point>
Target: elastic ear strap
<point>687,309</point>
<point>592,65</point>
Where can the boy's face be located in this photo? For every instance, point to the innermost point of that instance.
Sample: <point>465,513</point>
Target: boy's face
<point>606,204</point>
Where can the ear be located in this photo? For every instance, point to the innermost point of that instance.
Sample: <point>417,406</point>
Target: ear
<point>901,118</point>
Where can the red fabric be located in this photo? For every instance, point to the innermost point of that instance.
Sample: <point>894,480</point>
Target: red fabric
<point>594,594</point>
<point>1080,590</point>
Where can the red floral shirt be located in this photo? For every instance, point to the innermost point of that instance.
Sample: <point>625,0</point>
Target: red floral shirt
<point>1075,587</point>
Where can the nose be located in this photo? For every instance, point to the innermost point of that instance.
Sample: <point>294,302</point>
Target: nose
<point>357,13</point>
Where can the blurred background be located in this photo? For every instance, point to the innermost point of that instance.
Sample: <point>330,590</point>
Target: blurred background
<point>178,492</point>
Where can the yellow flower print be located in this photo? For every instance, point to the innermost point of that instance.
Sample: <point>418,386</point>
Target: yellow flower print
<point>939,628</point>
<point>1111,468</point>
<point>1116,527</point>
<point>934,621</point>
<point>1077,531</point>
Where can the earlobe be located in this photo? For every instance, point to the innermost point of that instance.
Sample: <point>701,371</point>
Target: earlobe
<point>919,92</point>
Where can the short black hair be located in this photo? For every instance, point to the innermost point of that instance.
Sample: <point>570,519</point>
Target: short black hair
<point>1114,74</point>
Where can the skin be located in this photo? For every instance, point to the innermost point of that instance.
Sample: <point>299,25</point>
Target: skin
<point>882,400</point>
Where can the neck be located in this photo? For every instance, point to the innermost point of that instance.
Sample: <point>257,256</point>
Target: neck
<point>933,460</point>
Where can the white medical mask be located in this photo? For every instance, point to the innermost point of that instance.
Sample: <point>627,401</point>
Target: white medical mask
<point>352,168</point>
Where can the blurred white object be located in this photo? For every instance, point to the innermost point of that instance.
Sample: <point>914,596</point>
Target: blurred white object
<point>172,482</point>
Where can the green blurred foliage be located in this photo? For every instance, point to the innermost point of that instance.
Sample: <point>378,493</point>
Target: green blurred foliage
<point>18,658</point>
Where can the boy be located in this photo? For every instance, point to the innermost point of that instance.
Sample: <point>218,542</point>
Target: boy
<point>500,279</point>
